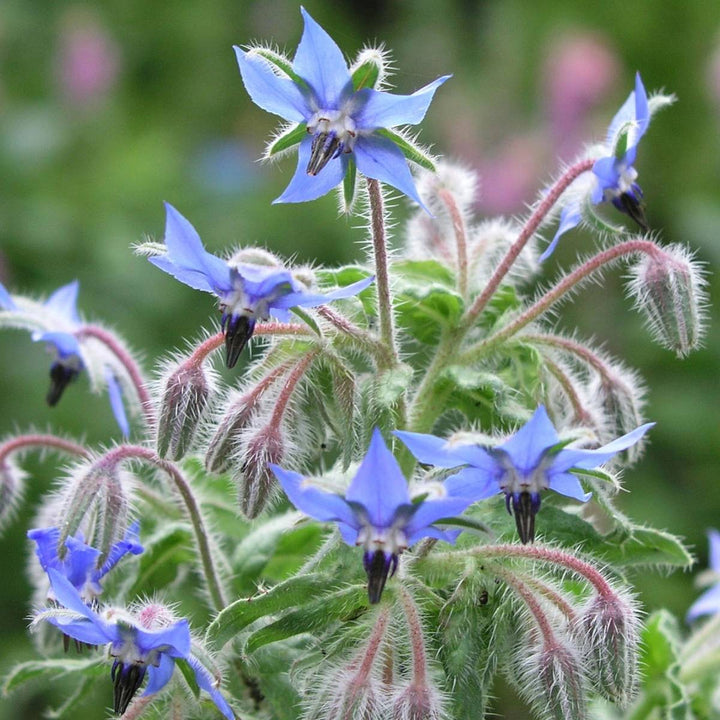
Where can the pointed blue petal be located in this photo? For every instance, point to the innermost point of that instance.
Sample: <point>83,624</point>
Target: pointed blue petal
<point>64,301</point>
<point>433,510</point>
<point>429,449</point>
<point>46,541</point>
<point>567,484</point>
<point>303,299</point>
<point>569,218</point>
<point>312,501</point>
<point>187,260</point>
<point>129,544</point>
<point>642,110</point>
<point>320,62</point>
<point>66,344</point>
<point>6,302</point>
<point>79,562</point>
<point>206,682</point>
<point>81,629</point>
<point>278,95</point>
<point>304,187</point>
<point>714,539</point>
<point>379,485</point>
<point>624,115</point>
<point>589,459</point>
<point>473,484</point>
<point>379,109</point>
<point>707,604</point>
<point>174,640</point>
<point>379,158</point>
<point>608,178</point>
<point>159,676</point>
<point>448,536</point>
<point>526,447</point>
<point>116,401</point>
<point>348,533</point>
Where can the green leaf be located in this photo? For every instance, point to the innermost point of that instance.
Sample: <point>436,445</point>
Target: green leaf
<point>411,151</point>
<point>235,617</point>
<point>390,385</point>
<point>24,672</point>
<point>424,272</point>
<point>645,546</point>
<point>345,604</point>
<point>167,549</point>
<point>425,311</point>
<point>329,278</point>
<point>504,302</point>
<point>287,139</point>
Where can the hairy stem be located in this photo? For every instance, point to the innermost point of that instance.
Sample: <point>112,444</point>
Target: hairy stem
<point>417,638</point>
<point>49,442</point>
<point>460,238</point>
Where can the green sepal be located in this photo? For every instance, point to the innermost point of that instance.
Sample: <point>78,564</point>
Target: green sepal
<point>280,62</point>
<point>329,279</point>
<point>365,75</point>
<point>411,151</point>
<point>308,319</point>
<point>349,186</point>
<point>598,223</point>
<point>291,137</point>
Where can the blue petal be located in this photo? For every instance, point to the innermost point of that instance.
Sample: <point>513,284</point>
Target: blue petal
<point>64,301</point>
<point>707,604</point>
<point>379,485</point>
<point>129,544</point>
<point>624,115</point>
<point>449,536</point>
<point>66,344</point>
<point>158,677</point>
<point>68,596</point>
<point>567,484</point>
<point>116,401</point>
<point>6,302</point>
<point>82,630</point>
<point>303,299</point>
<point>206,682</point>
<point>79,562</point>
<point>304,187</point>
<point>312,501</point>
<point>473,484</point>
<point>608,178</point>
<point>379,109</point>
<point>429,449</point>
<point>349,534</point>
<point>187,260</point>
<point>569,218</point>
<point>320,62</point>
<point>46,540</point>
<point>174,640</point>
<point>526,447</point>
<point>379,158</point>
<point>714,538</point>
<point>433,510</point>
<point>278,95</point>
<point>589,459</point>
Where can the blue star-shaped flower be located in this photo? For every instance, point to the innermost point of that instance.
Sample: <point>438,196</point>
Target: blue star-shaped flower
<point>532,460</point>
<point>246,292</point>
<point>614,174</point>
<point>343,124</point>
<point>376,512</point>
<point>144,643</point>
<point>79,565</point>
<point>709,602</point>
<point>60,322</point>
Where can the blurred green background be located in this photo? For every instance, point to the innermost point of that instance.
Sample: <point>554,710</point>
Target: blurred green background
<point>109,108</point>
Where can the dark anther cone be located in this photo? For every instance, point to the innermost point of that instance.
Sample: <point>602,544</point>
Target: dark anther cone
<point>630,205</point>
<point>238,330</point>
<point>378,566</point>
<point>524,507</point>
<point>60,377</point>
<point>126,681</point>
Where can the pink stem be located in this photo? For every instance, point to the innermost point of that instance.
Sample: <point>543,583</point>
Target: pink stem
<point>526,233</point>
<point>534,606</point>
<point>460,238</point>
<point>417,639</point>
<point>289,387</point>
<point>42,441</point>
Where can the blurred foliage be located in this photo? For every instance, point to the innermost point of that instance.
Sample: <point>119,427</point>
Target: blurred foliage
<point>86,160</point>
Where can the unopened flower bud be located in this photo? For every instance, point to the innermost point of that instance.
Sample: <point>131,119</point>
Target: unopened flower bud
<point>12,481</point>
<point>183,403</point>
<point>256,483</point>
<point>227,434</point>
<point>254,256</point>
<point>609,626</point>
<point>668,287</point>
<point>417,702</point>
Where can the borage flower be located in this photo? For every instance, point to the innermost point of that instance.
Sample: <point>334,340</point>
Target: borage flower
<point>56,322</point>
<point>377,511</point>
<point>532,460</point>
<point>80,562</point>
<point>246,292</point>
<point>339,124</point>
<point>147,642</point>
<point>709,602</point>
<point>614,175</point>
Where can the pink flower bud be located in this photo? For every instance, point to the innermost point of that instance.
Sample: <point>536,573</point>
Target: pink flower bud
<point>256,484</point>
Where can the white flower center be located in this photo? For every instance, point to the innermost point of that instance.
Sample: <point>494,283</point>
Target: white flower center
<point>334,132</point>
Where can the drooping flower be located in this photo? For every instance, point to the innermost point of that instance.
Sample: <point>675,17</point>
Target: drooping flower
<point>246,292</point>
<point>377,511</point>
<point>339,124</point>
<point>709,602</point>
<point>56,322</point>
<point>80,562</point>
<point>614,174</point>
<point>146,642</point>
<point>532,460</point>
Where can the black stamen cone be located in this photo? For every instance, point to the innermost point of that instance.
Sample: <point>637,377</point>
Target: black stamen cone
<point>238,330</point>
<point>60,377</point>
<point>325,147</point>
<point>126,681</point>
<point>632,206</point>
<point>378,565</point>
<point>524,507</point>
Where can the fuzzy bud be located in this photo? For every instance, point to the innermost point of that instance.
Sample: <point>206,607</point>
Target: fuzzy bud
<point>12,482</point>
<point>256,483</point>
<point>417,702</point>
<point>610,629</point>
<point>668,287</point>
<point>254,256</point>
<point>183,403</point>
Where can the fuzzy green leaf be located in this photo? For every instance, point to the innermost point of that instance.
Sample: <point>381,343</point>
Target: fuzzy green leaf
<point>391,384</point>
<point>329,279</point>
<point>645,546</point>
<point>424,272</point>
<point>24,672</point>
<point>424,311</point>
